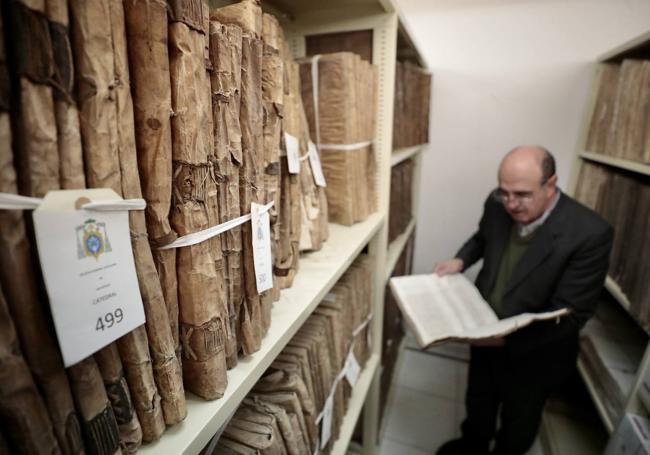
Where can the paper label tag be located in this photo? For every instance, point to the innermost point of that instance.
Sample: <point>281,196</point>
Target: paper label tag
<point>352,369</point>
<point>89,272</point>
<point>326,426</point>
<point>316,168</point>
<point>293,154</point>
<point>262,259</point>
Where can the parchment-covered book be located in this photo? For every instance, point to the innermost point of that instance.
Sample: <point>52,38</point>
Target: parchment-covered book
<point>450,308</point>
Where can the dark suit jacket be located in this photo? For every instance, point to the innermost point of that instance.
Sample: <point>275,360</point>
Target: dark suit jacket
<point>564,266</point>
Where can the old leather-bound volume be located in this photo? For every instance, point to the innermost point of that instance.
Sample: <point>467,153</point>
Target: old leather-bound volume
<point>411,105</point>
<point>18,276</point>
<point>146,29</point>
<point>401,194</point>
<point>34,123</point>
<point>287,423</point>
<point>201,292</point>
<point>272,100</point>
<point>258,436</point>
<point>110,366</point>
<point>254,314</point>
<point>340,113</point>
<point>65,107</point>
<point>23,415</point>
<point>627,94</point>
<point>288,249</point>
<point>310,210</point>
<point>166,368</point>
<point>225,56</point>
<point>282,382</point>
<point>106,119</point>
<point>602,116</point>
<point>98,420</point>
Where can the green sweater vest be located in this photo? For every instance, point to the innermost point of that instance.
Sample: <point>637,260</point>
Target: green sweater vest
<point>514,250</point>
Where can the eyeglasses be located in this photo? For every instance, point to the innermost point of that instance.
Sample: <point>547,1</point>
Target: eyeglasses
<point>520,197</point>
<point>505,197</point>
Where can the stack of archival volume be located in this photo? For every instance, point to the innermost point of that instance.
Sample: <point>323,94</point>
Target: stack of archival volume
<point>401,198</point>
<point>450,308</point>
<point>339,94</point>
<point>411,106</point>
<point>298,405</point>
<point>620,124</point>
<point>623,199</point>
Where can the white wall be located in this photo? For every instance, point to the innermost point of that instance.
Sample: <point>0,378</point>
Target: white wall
<point>506,72</point>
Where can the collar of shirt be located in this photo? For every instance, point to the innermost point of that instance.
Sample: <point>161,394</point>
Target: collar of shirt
<point>525,230</point>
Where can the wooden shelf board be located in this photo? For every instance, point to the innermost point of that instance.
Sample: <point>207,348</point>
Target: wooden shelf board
<point>396,247</point>
<point>318,272</point>
<point>595,395</point>
<point>402,154</point>
<point>628,165</point>
<point>357,400</point>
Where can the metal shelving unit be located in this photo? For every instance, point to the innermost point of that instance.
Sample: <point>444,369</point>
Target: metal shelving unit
<point>396,247</point>
<point>607,419</point>
<point>400,155</point>
<point>629,49</point>
<point>620,163</point>
<point>319,271</point>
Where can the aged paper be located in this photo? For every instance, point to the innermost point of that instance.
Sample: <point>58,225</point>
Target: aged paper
<point>440,309</point>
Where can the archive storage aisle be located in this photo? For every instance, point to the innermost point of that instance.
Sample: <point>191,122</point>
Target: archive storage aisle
<point>223,71</point>
<point>611,175</point>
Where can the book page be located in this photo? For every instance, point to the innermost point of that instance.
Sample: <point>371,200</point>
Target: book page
<point>508,325</point>
<point>440,307</point>
<point>449,308</point>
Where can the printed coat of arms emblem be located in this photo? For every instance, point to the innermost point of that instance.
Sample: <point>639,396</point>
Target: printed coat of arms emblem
<point>92,239</point>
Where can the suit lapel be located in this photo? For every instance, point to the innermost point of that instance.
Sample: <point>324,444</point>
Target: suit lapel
<point>541,246</point>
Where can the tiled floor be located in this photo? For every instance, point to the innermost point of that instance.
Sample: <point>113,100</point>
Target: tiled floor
<point>426,405</point>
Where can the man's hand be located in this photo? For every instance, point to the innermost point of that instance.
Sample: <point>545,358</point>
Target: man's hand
<point>448,267</point>
<point>489,342</point>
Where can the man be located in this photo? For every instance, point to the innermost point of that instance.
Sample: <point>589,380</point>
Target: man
<point>541,251</point>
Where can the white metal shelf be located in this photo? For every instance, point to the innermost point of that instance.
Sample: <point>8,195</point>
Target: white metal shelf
<point>318,272</point>
<point>641,40</point>
<point>596,396</point>
<point>391,390</point>
<point>617,293</point>
<point>355,405</point>
<point>562,435</point>
<point>402,154</point>
<point>395,249</point>
<point>620,163</point>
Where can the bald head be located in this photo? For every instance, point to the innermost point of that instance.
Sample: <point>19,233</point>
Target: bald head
<point>527,182</point>
<point>533,159</point>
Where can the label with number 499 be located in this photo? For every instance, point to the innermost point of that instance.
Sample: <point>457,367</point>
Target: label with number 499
<point>89,272</point>
<point>109,319</point>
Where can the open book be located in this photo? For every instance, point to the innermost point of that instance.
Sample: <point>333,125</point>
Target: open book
<point>448,308</point>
